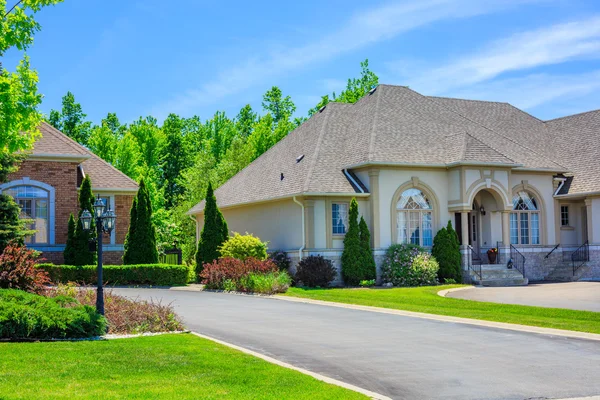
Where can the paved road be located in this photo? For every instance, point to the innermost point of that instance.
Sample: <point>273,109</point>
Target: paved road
<point>402,357</point>
<point>572,295</point>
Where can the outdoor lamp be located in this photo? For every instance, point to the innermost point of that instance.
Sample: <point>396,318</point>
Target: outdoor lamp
<point>86,220</point>
<point>108,220</point>
<point>482,210</point>
<point>98,207</point>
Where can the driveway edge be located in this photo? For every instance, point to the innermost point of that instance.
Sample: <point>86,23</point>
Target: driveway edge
<point>315,375</point>
<point>445,318</point>
<point>444,292</point>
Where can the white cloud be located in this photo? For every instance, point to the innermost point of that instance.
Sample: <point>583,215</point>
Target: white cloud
<point>364,28</point>
<point>547,46</point>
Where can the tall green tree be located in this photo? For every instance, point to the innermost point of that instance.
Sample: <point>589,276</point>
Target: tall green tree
<point>352,258</point>
<point>280,107</point>
<point>446,250</point>
<point>369,269</point>
<point>140,243</point>
<point>174,159</point>
<point>245,120</point>
<point>214,233</point>
<point>71,120</point>
<point>19,98</point>
<point>103,143</point>
<point>82,253</point>
<point>12,226</point>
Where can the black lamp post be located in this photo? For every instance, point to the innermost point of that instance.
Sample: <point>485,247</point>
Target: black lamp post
<point>105,223</point>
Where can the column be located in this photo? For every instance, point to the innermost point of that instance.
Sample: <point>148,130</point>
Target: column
<point>374,205</point>
<point>464,222</point>
<point>590,221</point>
<point>504,250</point>
<point>309,215</point>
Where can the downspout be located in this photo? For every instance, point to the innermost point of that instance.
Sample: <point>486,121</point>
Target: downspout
<point>562,182</point>
<point>301,249</point>
<point>351,179</point>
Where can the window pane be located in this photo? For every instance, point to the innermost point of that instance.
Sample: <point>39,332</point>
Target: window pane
<point>402,227</point>
<point>564,215</point>
<point>524,228</point>
<point>427,229</point>
<point>413,223</point>
<point>524,201</point>
<point>339,213</point>
<point>514,229</point>
<point>535,228</point>
<point>413,199</point>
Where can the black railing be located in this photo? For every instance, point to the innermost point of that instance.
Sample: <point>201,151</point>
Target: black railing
<point>552,251</point>
<point>517,259</point>
<point>580,256</point>
<point>475,262</point>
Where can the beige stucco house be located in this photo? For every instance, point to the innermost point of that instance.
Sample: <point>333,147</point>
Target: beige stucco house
<point>503,178</point>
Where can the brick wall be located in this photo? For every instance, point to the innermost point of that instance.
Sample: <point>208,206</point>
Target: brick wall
<point>109,257</point>
<point>63,177</point>
<point>122,209</point>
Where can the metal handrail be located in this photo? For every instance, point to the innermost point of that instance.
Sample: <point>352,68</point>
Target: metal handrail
<point>517,259</point>
<point>582,254</point>
<point>552,251</point>
<point>475,259</point>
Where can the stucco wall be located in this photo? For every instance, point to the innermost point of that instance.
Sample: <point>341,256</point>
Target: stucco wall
<point>595,223</point>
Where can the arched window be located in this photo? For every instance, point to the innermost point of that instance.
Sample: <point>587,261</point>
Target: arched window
<point>525,219</point>
<point>414,218</point>
<point>34,204</point>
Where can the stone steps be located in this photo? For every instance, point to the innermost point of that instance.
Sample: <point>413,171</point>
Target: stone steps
<point>499,275</point>
<point>505,282</point>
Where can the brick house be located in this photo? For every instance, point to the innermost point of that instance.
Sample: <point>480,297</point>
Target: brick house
<point>46,187</point>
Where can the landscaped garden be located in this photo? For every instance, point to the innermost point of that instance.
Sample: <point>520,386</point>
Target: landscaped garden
<point>180,366</point>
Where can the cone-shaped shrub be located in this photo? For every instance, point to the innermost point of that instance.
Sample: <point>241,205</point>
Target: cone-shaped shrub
<point>368,266</point>
<point>446,251</point>
<point>352,259</point>
<point>70,251</point>
<point>140,245</point>
<point>12,228</point>
<point>214,233</point>
<point>81,253</point>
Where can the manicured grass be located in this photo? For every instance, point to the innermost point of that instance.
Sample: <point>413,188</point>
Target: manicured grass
<point>426,300</point>
<point>167,367</point>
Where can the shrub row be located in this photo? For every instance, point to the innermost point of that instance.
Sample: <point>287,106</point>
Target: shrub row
<point>250,275</point>
<point>143,274</point>
<point>25,315</point>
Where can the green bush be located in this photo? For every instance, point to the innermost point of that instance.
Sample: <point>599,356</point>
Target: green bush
<point>243,247</point>
<point>446,251</point>
<point>143,274</point>
<point>315,271</point>
<point>29,316</point>
<point>409,265</point>
<point>265,283</point>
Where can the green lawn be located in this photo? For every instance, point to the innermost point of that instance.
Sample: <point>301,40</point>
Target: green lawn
<point>168,367</point>
<point>426,300</point>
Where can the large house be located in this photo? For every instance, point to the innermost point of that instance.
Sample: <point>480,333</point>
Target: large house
<point>504,178</point>
<point>46,188</point>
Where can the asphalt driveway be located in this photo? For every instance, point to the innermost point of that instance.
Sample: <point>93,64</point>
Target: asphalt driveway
<point>401,357</point>
<point>571,295</point>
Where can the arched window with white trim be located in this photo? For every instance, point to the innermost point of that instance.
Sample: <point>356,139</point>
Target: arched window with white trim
<point>34,204</point>
<point>414,217</point>
<point>525,219</point>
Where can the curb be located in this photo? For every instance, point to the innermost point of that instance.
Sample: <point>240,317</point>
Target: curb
<point>315,375</point>
<point>444,318</point>
<point>444,292</point>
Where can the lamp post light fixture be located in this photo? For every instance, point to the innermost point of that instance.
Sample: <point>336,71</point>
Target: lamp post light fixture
<point>105,222</point>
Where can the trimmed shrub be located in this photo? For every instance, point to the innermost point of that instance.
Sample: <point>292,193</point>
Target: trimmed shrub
<point>281,259</point>
<point>214,232</point>
<point>216,274</point>
<point>143,274</point>
<point>265,283</point>
<point>315,271</point>
<point>29,316</point>
<point>12,227</point>
<point>140,242</point>
<point>352,257</point>
<point>369,269</point>
<point>243,247</point>
<point>446,250</point>
<point>409,265</point>
<point>18,271</point>
<point>80,253</point>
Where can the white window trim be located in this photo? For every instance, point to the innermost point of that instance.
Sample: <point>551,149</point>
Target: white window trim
<point>25,181</point>
<point>339,203</point>
<point>568,216</point>
<point>111,203</point>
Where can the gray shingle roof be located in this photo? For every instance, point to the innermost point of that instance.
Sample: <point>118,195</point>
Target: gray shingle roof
<point>393,124</point>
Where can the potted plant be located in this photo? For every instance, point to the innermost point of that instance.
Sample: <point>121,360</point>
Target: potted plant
<point>492,254</point>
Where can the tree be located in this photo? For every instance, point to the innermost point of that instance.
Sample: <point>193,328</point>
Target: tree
<point>70,251</point>
<point>245,120</point>
<point>174,159</point>
<point>446,250</point>
<point>214,233</point>
<point>127,156</point>
<point>352,255</point>
<point>140,243</point>
<point>280,107</point>
<point>82,254</point>
<point>369,269</point>
<point>19,99</point>
<point>12,227</point>
<point>103,143</point>
<point>71,120</point>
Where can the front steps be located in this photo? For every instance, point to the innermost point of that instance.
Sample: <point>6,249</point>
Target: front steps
<point>497,275</point>
<point>564,273</point>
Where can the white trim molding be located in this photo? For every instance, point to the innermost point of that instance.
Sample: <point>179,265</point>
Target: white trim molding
<point>25,181</point>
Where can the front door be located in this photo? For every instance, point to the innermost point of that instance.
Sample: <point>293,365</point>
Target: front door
<point>474,230</point>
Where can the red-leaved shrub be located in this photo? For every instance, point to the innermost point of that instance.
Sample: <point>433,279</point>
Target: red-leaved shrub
<point>216,274</point>
<point>18,270</point>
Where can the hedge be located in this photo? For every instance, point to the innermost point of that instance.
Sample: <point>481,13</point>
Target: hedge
<point>30,316</point>
<point>142,274</point>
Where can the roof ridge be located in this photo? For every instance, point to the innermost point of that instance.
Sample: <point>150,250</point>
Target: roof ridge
<point>463,156</point>
<point>372,135</point>
<point>65,138</point>
<point>489,146</point>
<point>313,162</point>
<point>111,166</point>
<point>458,98</point>
<point>572,115</point>
<point>497,133</point>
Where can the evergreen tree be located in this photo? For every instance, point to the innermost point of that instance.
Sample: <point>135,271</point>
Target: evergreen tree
<point>174,159</point>
<point>70,248</point>
<point>140,244</point>
<point>369,269</point>
<point>12,227</point>
<point>352,258</point>
<point>82,253</point>
<point>446,251</point>
<point>214,233</point>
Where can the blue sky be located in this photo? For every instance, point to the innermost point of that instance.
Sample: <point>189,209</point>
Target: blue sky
<point>194,57</point>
